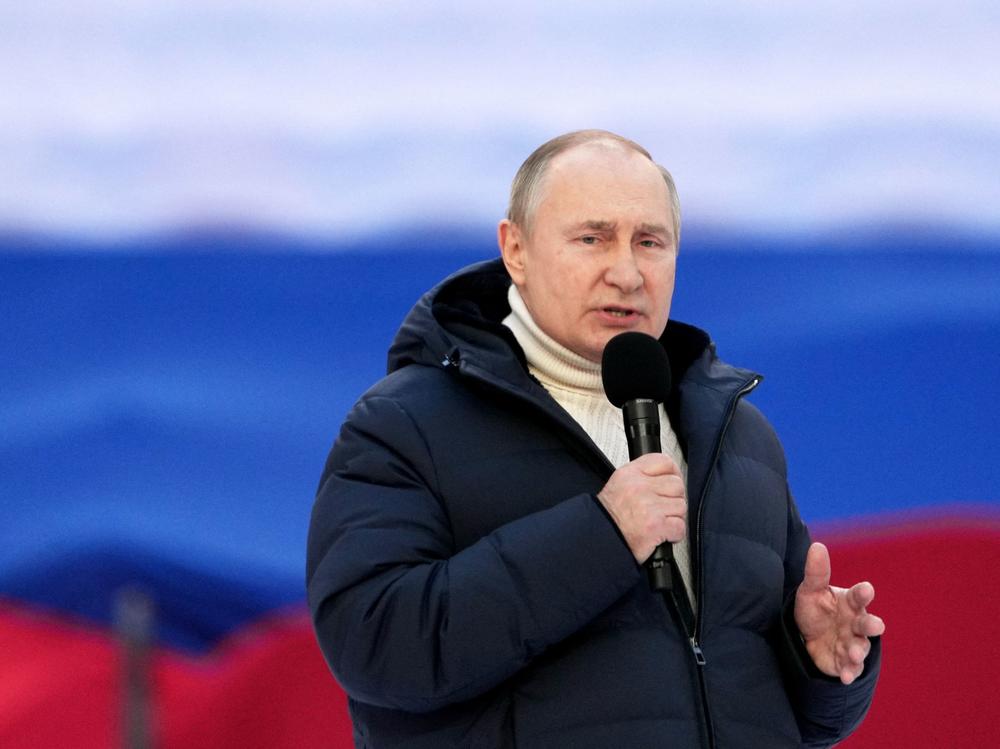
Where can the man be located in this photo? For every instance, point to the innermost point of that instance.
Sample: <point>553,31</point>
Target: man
<point>476,548</point>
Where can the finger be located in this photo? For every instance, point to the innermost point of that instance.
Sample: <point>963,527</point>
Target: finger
<point>849,673</point>
<point>674,529</point>
<point>853,662</point>
<point>860,595</point>
<point>868,625</point>
<point>817,572</point>
<point>657,464</point>
<point>858,651</point>
<point>670,485</point>
<point>675,506</point>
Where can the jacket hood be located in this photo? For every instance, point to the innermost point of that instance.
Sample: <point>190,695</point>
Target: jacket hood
<point>461,317</point>
<point>460,320</point>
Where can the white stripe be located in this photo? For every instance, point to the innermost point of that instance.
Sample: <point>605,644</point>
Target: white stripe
<point>124,116</point>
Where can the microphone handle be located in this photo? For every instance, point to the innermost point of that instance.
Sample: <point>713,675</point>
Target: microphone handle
<point>642,431</point>
<point>642,427</point>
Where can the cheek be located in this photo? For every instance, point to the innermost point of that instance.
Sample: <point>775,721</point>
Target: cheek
<point>662,291</point>
<point>567,286</point>
<point>667,292</point>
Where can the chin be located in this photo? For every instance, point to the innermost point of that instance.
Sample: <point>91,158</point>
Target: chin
<point>595,351</point>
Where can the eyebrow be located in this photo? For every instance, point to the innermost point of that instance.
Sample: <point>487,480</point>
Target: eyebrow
<point>654,229</point>
<point>600,225</point>
<point>595,226</point>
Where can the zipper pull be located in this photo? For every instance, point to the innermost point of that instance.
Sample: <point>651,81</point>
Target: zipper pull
<point>699,656</point>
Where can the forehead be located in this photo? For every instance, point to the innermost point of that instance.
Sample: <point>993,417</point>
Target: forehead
<point>603,181</point>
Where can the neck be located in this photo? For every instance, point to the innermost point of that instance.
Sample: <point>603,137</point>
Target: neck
<point>550,361</point>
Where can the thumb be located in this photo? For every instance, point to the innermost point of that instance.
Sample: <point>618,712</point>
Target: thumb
<point>817,572</point>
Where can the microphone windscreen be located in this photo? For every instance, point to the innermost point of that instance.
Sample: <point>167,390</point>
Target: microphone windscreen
<point>634,366</point>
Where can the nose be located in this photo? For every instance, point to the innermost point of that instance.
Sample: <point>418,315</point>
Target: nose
<point>623,271</point>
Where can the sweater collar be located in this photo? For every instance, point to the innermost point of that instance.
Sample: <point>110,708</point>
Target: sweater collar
<point>551,362</point>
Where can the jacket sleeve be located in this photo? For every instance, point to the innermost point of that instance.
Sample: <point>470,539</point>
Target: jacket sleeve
<point>406,620</point>
<point>827,711</point>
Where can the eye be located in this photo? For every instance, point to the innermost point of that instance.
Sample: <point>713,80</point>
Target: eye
<point>649,243</point>
<point>589,239</point>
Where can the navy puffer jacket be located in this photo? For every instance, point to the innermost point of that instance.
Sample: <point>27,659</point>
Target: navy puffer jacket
<point>468,590</point>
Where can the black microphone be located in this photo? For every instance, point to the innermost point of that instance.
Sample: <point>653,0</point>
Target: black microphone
<point>636,374</point>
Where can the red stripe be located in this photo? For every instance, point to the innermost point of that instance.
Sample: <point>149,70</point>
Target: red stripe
<point>268,686</point>
<point>934,586</point>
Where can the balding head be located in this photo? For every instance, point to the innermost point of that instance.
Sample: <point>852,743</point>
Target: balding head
<point>528,185</point>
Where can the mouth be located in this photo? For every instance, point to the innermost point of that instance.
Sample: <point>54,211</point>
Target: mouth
<point>620,313</point>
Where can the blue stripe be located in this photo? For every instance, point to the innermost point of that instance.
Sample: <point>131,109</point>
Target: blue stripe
<point>167,407</point>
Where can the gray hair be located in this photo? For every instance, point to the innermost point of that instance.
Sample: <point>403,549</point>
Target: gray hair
<point>524,190</point>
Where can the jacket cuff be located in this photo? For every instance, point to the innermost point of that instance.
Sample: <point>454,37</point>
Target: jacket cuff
<point>614,525</point>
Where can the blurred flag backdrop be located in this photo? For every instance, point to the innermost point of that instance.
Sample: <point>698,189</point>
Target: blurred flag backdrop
<point>213,216</point>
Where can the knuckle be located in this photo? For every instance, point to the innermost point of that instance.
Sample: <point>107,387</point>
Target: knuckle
<point>675,527</point>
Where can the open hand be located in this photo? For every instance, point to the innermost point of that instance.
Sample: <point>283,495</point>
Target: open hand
<point>834,622</point>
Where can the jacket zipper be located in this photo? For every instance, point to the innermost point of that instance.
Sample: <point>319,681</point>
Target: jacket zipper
<point>452,359</point>
<point>695,639</point>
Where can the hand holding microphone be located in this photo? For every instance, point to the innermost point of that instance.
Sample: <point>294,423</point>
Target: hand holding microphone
<point>647,501</point>
<point>646,497</point>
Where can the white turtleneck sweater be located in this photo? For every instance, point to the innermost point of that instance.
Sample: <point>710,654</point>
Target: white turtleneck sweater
<point>575,384</point>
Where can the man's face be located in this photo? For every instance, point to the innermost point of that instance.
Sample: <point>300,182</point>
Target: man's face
<point>600,255</point>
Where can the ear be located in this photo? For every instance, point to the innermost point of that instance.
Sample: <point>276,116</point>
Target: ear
<point>511,242</point>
